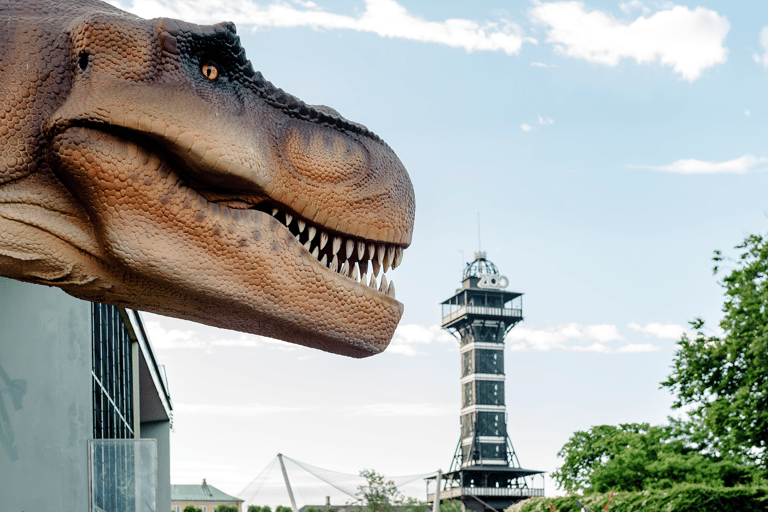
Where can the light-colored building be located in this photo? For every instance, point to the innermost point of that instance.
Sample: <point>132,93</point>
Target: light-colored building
<point>203,496</point>
<point>84,406</point>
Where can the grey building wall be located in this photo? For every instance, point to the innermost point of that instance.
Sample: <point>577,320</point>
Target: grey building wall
<point>161,431</point>
<point>45,398</point>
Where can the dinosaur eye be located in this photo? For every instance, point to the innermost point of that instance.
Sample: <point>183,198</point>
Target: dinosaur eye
<point>210,71</point>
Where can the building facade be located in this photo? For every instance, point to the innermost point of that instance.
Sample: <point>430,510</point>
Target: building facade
<point>85,409</point>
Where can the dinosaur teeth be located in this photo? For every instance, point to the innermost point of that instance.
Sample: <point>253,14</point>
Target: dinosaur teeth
<point>334,264</point>
<point>372,284</point>
<point>274,211</point>
<point>344,270</point>
<point>324,261</point>
<point>350,248</point>
<point>354,275</point>
<point>383,285</point>
<point>316,254</point>
<point>389,257</point>
<point>391,290</point>
<point>371,251</point>
<point>288,219</point>
<point>302,226</point>
<point>376,267</point>
<point>363,266</point>
<point>323,239</point>
<point>398,257</point>
<point>360,250</point>
<point>363,279</point>
<point>312,231</point>
<point>308,244</point>
<point>336,244</point>
<point>380,252</point>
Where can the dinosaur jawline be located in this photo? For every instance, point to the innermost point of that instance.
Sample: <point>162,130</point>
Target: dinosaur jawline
<point>353,258</point>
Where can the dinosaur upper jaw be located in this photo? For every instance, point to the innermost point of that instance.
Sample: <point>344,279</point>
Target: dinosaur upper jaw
<point>262,227</point>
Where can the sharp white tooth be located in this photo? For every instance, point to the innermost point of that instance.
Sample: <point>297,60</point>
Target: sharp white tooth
<point>316,254</point>
<point>334,264</point>
<point>288,219</point>
<point>312,232</point>
<point>389,258</point>
<point>371,251</point>
<point>380,253</point>
<point>360,251</point>
<point>336,244</point>
<point>376,267</point>
<point>354,275</point>
<point>344,270</point>
<point>391,290</point>
<point>274,211</point>
<point>372,284</point>
<point>363,278</point>
<point>323,239</point>
<point>363,266</point>
<point>383,285</point>
<point>324,261</point>
<point>308,244</point>
<point>302,225</point>
<point>398,257</point>
<point>350,248</point>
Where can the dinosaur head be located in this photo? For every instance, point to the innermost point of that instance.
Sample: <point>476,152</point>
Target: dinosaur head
<point>217,198</point>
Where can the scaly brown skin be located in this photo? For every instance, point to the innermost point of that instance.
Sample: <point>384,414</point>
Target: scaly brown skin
<point>143,163</point>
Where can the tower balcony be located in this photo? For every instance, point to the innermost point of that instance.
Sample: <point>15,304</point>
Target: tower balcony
<point>462,313</point>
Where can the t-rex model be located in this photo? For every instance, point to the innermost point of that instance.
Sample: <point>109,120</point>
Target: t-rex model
<point>144,163</point>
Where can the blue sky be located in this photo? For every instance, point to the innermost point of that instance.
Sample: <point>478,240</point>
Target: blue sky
<point>608,148</point>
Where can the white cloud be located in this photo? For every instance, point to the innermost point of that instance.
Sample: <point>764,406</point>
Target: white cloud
<point>526,127</point>
<point>170,339</point>
<point>570,337</point>
<point>637,348</point>
<point>747,113</point>
<point>545,120</point>
<point>659,330</point>
<point>408,337</point>
<point>542,65</point>
<point>763,59</point>
<point>691,166</point>
<point>385,18</point>
<point>689,41</point>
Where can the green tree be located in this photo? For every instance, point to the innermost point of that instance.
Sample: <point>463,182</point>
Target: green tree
<point>638,456</point>
<point>256,508</point>
<point>225,508</point>
<point>281,508</point>
<point>725,378</point>
<point>381,495</point>
<point>192,508</point>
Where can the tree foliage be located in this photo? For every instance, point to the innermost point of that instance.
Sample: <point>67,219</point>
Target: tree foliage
<point>225,508</point>
<point>192,508</point>
<point>381,495</point>
<point>256,508</point>
<point>725,378</point>
<point>637,456</point>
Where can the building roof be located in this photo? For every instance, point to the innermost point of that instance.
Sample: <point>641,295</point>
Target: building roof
<point>200,492</point>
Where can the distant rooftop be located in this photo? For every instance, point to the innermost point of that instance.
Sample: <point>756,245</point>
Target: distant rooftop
<point>200,492</point>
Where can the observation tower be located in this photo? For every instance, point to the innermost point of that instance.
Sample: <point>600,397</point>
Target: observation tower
<point>485,473</point>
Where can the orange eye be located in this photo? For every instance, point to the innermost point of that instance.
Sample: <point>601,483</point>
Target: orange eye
<point>210,71</point>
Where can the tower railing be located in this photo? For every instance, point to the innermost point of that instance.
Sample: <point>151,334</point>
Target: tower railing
<point>482,310</point>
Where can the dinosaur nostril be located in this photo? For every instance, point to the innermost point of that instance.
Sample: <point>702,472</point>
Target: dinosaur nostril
<point>82,60</point>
